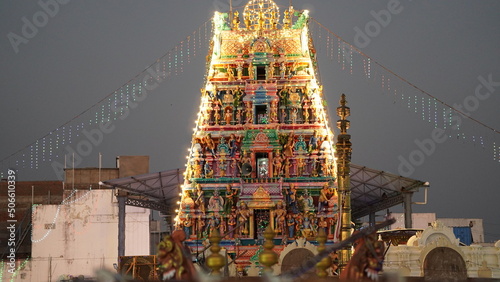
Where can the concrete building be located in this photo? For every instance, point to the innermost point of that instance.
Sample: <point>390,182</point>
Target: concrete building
<point>462,227</point>
<point>80,233</point>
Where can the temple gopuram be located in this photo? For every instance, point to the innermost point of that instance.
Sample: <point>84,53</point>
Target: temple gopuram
<point>262,152</point>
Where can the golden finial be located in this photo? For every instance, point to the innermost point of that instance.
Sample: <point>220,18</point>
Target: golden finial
<point>246,18</point>
<point>326,262</point>
<point>274,20</point>
<point>268,258</point>
<point>236,20</point>
<point>215,261</point>
<point>343,112</point>
<point>287,19</point>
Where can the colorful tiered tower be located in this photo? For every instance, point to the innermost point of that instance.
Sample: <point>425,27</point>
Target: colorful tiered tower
<point>262,151</point>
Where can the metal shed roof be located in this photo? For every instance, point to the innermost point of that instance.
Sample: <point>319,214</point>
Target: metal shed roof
<point>371,190</point>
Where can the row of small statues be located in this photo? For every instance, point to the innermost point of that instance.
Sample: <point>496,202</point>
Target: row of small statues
<point>291,162</point>
<point>228,108</point>
<point>291,144</point>
<point>222,207</point>
<point>282,167</point>
<point>264,21</point>
<point>273,70</point>
<point>290,227</point>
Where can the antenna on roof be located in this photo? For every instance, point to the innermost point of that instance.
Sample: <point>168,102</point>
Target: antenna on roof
<point>231,13</point>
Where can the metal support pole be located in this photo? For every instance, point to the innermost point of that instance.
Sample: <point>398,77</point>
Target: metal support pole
<point>407,207</point>
<point>121,224</point>
<point>371,218</point>
<point>343,154</point>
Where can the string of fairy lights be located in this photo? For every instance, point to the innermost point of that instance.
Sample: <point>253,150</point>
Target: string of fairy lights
<point>113,106</point>
<point>116,104</point>
<point>426,106</point>
<point>66,201</point>
<point>16,272</point>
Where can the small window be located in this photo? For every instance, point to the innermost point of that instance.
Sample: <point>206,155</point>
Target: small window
<point>261,73</point>
<point>262,165</point>
<point>261,114</point>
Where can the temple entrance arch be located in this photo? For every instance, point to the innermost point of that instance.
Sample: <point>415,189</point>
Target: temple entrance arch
<point>444,264</point>
<point>295,258</point>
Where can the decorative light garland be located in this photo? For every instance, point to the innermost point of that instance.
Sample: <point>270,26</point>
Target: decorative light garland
<point>422,103</point>
<point>20,267</point>
<point>111,107</point>
<point>65,201</point>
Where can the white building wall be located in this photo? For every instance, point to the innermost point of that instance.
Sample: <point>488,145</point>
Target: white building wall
<point>137,231</point>
<point>84,237</point>
<point>419,220</point>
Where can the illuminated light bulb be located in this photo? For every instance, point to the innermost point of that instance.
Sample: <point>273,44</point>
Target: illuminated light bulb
<point>180,194</point>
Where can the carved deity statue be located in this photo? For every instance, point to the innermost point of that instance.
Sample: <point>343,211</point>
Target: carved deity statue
<point>292,198</point>
<point>217,117</point>
<point>222,166</point>
<point>313,142</point>
<point>249,115</point>
<point>290,223</point>
<point>237,95</point>
<point>230,202</point>
<point>301,164</point>
<point>231,222</point>
<point>287,166</point>
<point>270,71</point>
<point>293,115</point>
<point>228,116</point>
<point>238,116</point>
<point>216,202</point>
<point>243,218</point>
<point>295,99</point>
<point>187,224</point>
<point>289,145</point>
<point>307,202</point>
<point>277,164</point>
<point>197,169</point>
<point>210,144</point>
<point>283,115</point>
<point>233,145</point>
<point>282,70</point>
<point>187,202</point>
<point>306,115</point>
<point>200,198</point>
<point>239,71</point>
<point>230,73</point>
<point>280,220</point>
<point>283,94</point>
<point>251,74</point>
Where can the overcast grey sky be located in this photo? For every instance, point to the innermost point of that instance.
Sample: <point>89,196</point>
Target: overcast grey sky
<point>84,50</point>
